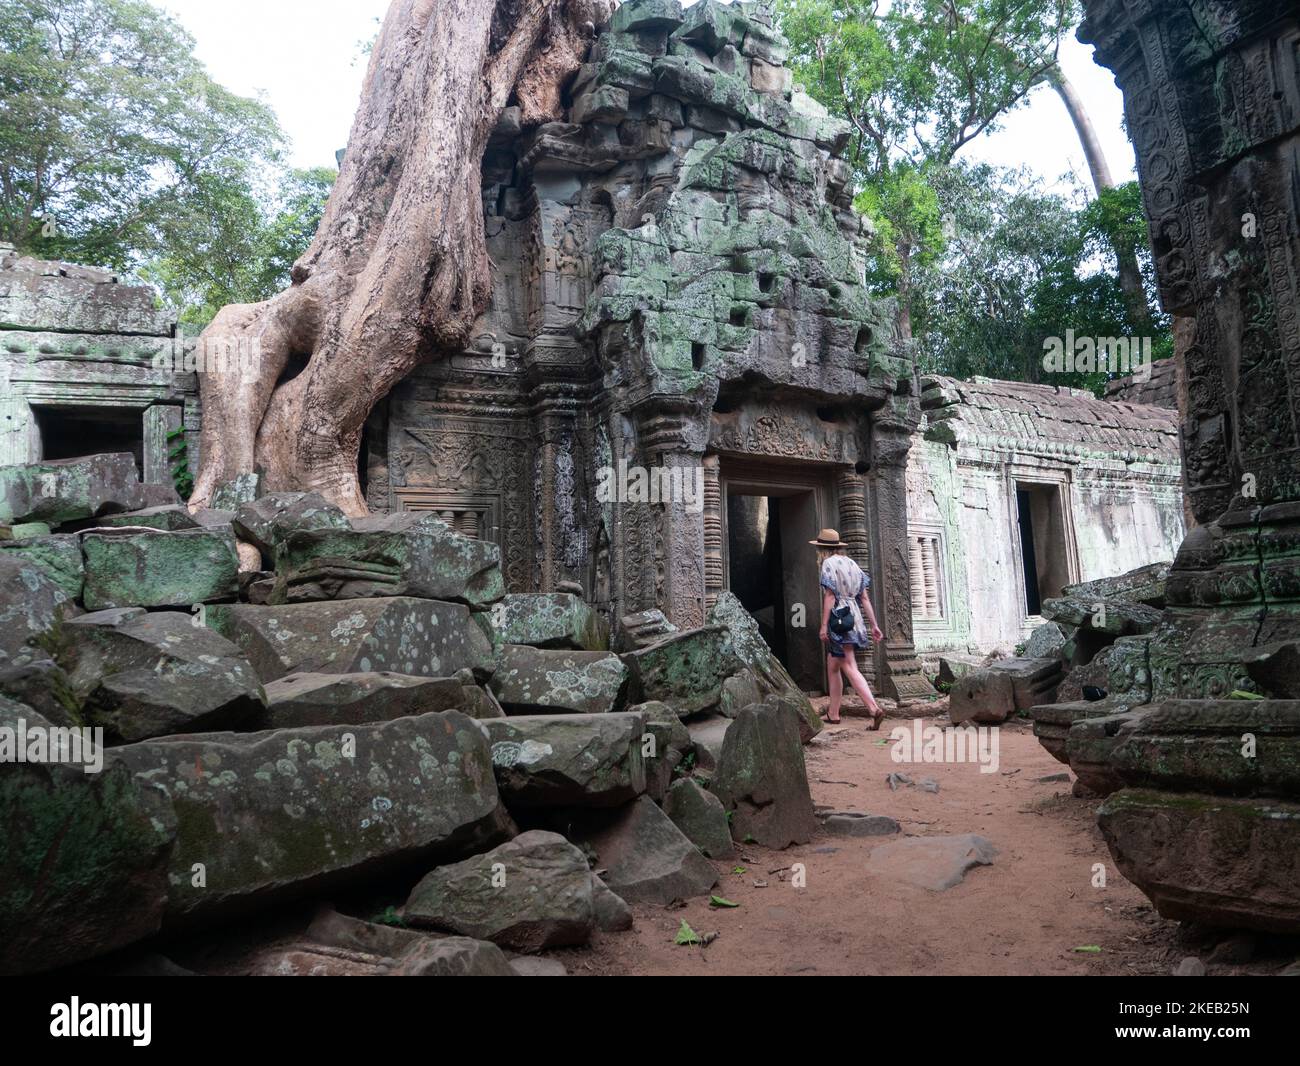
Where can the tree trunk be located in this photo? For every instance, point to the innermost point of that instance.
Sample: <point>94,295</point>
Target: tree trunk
<point>1130,277</point>
<point>398,270</point>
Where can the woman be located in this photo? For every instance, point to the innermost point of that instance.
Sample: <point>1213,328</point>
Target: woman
<point>844,583</point>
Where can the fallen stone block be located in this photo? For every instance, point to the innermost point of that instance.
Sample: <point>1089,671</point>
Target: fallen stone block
<point>259,521</point>
<point>707,736</point>
<point>404,635</point>
<point>549,620</point>
<point>859,824</point>
<point>405,553</point>
<point>1144,585</point>
<point>32,607</point>
<point>452,956</point>
<point>84,859</point>
<point>58,556</point>
<point>1275,668</point>
<point>169,518</point>
<point>532,893</point>
<point>761,778</point>
<point>1219,861</point>
<point>45,688</point>
<point>65,490</point>
<point>532,681</point>
<point>353,699</point>
<point>153,568</point>
<point>1114,618</point>
<point>532,966</point>
<point>685,670</point>
<point>316,808</point>
<point>149,675</point>
<point>701,817</point>
<point>936,863</point>
<point>672,741</point>
<point>994,693</point>
<point>647,859</point>
<point>586,760</point>
<point>1047,641</point>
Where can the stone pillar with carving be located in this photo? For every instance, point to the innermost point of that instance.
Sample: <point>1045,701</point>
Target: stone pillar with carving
<point>671,442</point>
<point>852,505</point>
<point>899,671</point>
<point>1212,104</point>
<point>713,564</point>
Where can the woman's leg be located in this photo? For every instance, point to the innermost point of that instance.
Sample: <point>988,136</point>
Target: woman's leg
<point>836,685</point>
<point>859,682</point>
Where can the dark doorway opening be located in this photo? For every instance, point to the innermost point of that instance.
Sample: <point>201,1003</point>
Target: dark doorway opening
<point>74,432</point>
<point>1043,549</point>
<point>772,570</point>
<point>754,555</point>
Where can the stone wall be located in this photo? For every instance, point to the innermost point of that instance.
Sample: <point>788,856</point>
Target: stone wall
<point>81,352</point>
<point>1104,475</point>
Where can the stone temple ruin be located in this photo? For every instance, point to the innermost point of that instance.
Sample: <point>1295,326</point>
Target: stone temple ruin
<point>591,527</point>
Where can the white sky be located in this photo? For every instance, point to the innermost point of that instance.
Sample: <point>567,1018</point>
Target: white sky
<point>303,58</point>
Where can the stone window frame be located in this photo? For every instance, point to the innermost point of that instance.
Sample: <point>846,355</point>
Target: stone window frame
<point>942,620</point>
<point>487,505</point>
<point>1061,478</point>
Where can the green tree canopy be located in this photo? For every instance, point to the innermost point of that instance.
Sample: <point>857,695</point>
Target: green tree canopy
<point>110,129</point>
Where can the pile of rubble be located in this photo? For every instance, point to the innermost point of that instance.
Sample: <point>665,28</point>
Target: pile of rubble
<point>359,707</point>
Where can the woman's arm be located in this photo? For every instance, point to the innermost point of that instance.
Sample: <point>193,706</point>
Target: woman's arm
<point>828,601</point>
<point>864,600</point>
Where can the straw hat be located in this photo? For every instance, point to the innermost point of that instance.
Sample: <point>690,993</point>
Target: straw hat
<point>829,539</point>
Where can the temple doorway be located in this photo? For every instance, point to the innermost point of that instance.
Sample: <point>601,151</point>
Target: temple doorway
<point>1044,543</point>
<point>771,569</point>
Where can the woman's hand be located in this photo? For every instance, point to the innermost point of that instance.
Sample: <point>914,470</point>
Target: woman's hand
<point>877,634</point>
<point>825,636</point>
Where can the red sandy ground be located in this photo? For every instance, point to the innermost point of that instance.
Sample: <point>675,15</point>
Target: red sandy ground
<point>1025,914</point>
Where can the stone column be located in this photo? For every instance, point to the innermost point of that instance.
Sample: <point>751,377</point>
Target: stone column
<point>852,507</point>
<point>672,443</point>
<point>713,566</point>
<point>899,671</point>
<point>160,420</point>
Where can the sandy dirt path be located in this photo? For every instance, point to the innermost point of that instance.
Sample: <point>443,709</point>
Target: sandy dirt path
<point>1025,914</point>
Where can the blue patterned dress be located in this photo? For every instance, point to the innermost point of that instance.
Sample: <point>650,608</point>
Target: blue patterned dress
<point>847,581</point>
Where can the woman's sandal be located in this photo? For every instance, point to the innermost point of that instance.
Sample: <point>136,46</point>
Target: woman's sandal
<point>876,720</point>
<point>831,721</point>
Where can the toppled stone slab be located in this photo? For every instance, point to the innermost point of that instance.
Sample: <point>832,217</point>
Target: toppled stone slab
<point>531,966</point>
<point>686,670</point>
<point>530,680</point>
<point>259,521</point>
<point>31,607</point>
<point>316,807</point>
<point>642,629</point>
<point>379,696</point>
<point>707,736</point>
<point>586,760</point>
<point>154,568</point>
<point>65,490</point>
<point>994,693</point>
<point>1218,861</point>
<point>936,863</point>
<point>859,824</point>
<point>45,688</point>
<point>1047,641</point>
<point>647,859</point>
<point>402,634</point>
<point>452,956</point>
<point>671,742</point>
<point>84,859</point>
<point>169,518</point>
<point>1114,618</point>
<point>58,555</point>
<point>1144,585</point>
<point>761,778</point>
<point>549,620</point>
<point>762,668</point>
<point>532,893</point>
<point>406,553</point>
<point>1200,746</point>
<point>953,667</point>
<point>148,675</point>
<point>701,817</point>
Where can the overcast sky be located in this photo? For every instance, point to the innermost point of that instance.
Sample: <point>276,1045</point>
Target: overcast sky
<point>303,58</point>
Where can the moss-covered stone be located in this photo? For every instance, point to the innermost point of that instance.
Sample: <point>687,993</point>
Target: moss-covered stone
<point>155,568</point>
